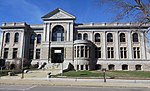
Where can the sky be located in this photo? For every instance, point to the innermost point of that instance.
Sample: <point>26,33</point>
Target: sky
<point>31,11</point>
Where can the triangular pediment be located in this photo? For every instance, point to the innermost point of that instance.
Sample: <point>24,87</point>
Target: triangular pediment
<point>58,14</point>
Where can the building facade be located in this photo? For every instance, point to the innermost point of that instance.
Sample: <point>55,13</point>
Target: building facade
<point>60,43</point>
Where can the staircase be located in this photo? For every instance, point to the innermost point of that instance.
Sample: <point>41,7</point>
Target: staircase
<point>56,68</point>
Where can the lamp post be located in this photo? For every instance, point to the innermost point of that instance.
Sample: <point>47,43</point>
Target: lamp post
<point>104,74</point>
<point>22,76</point>
<point>22,60</point>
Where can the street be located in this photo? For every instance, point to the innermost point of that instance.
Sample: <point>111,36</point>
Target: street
<point>64,88</point>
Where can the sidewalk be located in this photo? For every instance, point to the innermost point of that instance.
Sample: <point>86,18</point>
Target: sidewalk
<point>40,78</point>
<point>77,82</point>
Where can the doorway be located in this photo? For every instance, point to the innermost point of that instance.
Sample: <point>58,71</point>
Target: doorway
<point>57,55</point>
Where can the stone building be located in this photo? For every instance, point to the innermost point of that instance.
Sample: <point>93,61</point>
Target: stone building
<point>60,43</point>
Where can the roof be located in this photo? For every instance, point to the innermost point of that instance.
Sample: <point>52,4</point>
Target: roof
<point>58,14</point>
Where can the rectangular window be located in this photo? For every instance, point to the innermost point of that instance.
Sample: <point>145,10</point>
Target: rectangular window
<point>87,67</point>
<point>6,53</point>
<point>82,51</point>
<point>86,51</point>
<point>77,67</point>
<point>110,52</point>
<point>77,51</point>
<point>15,50</point>
<point>37,53</point>
<point>82,67</point>
<point>123,52</point>
<point>31,53</point>
<point>136,52</point>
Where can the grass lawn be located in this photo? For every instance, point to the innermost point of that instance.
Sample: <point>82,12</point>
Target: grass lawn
<point>110,74</point>
<point>4,72</point>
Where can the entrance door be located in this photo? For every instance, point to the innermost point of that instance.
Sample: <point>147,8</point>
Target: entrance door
<point>57,55</point>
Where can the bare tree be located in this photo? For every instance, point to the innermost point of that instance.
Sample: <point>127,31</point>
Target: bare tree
<point>137,9</point>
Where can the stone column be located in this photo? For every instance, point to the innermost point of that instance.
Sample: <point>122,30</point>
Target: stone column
<point>129,45</point>
<point>34,50</point>
<point>142,52</point>
<point>116,47</point>
<point>44,34</point>
<point>76,63</point>
<point>21,44</point>
<point>146,46</point>
<point>48,31</point>
<point>92,36</point>
<point>71,36</point>
<point>104,45</point>
<point>68,32</point>
<point>2,44</point>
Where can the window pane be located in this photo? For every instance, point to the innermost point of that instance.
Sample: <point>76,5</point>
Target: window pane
<point>32,39</point>
<point>6,53</point>
<point>97,37</point>
<point>79,36</point>
<point>16,37</point>
<point>85,36</point>
<point>37,53</point>
<point>122,37</point>
<point>7,39</point>
<point>38,38</point>
<point>15,52</point>
<point>135,37</point>
<point>109,37</point>
<point>82,51</point>
<point>58,33</point>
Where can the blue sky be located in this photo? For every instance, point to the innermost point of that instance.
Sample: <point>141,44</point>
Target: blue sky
<point>31,11</point>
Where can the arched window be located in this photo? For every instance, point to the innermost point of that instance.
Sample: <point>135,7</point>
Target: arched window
<point>7,39</point>
<point>58,33</point>
<point>32,37</point>
<point>109,37</point>
<point>122,37</point>
<point>85,36</point>
<point>135,37</point>
<point>16,37</point>
<point>79,36</point>
<point>97,37</point>
<point>38,38</point>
